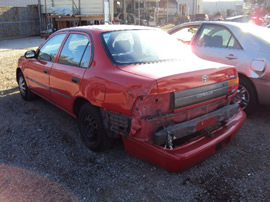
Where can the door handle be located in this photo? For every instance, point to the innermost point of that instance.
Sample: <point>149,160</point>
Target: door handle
<point>75,80</point>
<point>231,57</point>
<point>46,71</point>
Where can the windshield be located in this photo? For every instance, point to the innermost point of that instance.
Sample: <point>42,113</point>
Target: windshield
<point>141,46</point>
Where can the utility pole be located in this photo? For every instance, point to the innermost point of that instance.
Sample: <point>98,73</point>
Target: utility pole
<point>195,7</point>
<point>40,16</point>
<point>167,11</point>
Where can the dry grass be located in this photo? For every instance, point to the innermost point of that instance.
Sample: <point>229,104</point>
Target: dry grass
<point>8,65</point>
<point>4,8</point>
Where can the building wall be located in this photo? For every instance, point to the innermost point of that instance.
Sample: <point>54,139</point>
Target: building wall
<point>194,6</point>
<point>212,8</point>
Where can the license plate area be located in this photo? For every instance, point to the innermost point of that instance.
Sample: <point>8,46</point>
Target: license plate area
<point>206,123</point>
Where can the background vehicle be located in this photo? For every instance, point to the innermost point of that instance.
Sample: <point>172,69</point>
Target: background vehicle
<point>170,109</point>
<point>238,18</point>
<point>244,45</point>
<point>201,17</point>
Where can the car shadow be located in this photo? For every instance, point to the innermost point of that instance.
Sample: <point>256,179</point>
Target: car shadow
<point>8,92</point>
<point>262,113</point>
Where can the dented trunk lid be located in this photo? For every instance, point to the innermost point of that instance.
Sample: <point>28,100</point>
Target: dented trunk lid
<point>174,76</point>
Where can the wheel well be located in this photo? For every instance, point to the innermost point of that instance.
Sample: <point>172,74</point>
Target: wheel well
<point>17,73</point>
<point>250,81</point>
<point>245,77</point>
<point>78,103</point>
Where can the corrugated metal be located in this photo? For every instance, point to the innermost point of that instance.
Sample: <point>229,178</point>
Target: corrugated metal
<point>92,7</point>
<point>17,3</point>
<point>63,4</point>
<point>88,7</point>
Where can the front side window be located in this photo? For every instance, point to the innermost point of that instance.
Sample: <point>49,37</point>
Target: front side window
<point>217,37</point>
<point>49,50</point>
<point>76,51</point>
<point>140,46</point>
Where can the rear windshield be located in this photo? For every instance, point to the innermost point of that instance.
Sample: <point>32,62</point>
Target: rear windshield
<point>141,46</point>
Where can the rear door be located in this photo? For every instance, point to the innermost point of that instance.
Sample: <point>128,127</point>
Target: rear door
<point>67,72</point>
<point>217,43</point>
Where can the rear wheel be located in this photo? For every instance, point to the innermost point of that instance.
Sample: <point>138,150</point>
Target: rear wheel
<point>25,92</point>
<point>92,129</point>
<point>247,95</point>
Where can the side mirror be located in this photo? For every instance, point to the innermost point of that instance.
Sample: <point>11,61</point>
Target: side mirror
<point>30,54</point>
<point>257,65</point>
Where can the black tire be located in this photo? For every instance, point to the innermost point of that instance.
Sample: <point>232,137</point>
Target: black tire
<point>92,129</point>
<point>25,92</point>
<point>247,95</point>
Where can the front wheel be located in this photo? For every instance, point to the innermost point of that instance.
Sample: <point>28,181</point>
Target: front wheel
<point>92,129</point>
<point>247,96</point>
<point>25,92</point>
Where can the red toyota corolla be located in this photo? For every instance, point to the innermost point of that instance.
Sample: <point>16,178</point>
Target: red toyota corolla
<point>171,108</point>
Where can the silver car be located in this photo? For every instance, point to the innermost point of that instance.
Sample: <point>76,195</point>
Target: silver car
<point>243,45</point>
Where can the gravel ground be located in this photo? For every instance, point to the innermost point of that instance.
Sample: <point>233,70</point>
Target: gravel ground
<point>41,138</point>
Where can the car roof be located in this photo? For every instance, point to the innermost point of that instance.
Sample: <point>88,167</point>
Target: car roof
<point>223,23</point>
<point>227,23</point>
<point>212,22</point>
<point>106,28</point>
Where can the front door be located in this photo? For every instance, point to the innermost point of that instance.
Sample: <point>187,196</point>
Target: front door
<point>39,69</point>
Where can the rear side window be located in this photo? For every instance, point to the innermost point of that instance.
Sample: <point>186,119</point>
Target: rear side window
<point>216,36</point>
<point>76,51</point>
<point>86,57</point>
<point>49,50</point>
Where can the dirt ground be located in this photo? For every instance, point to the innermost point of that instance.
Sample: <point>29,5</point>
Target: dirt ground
<point>40,138</point>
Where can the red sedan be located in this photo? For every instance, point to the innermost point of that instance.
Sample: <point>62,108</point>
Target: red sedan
<point>171,109</point>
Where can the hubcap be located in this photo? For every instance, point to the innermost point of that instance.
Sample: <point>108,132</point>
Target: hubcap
<point>243,96</point>
<point>22,86</point>
<point>90,129</point>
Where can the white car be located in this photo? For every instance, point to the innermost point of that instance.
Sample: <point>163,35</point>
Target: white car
<point>243,45</point>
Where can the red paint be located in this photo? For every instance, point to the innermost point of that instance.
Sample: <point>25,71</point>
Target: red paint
<point>141,91</point>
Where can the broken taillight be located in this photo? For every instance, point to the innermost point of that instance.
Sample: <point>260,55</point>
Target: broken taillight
<point>232,86</point>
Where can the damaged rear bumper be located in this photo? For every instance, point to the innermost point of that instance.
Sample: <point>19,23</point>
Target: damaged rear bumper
<point>192,126</point>
<point>187,155</point>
